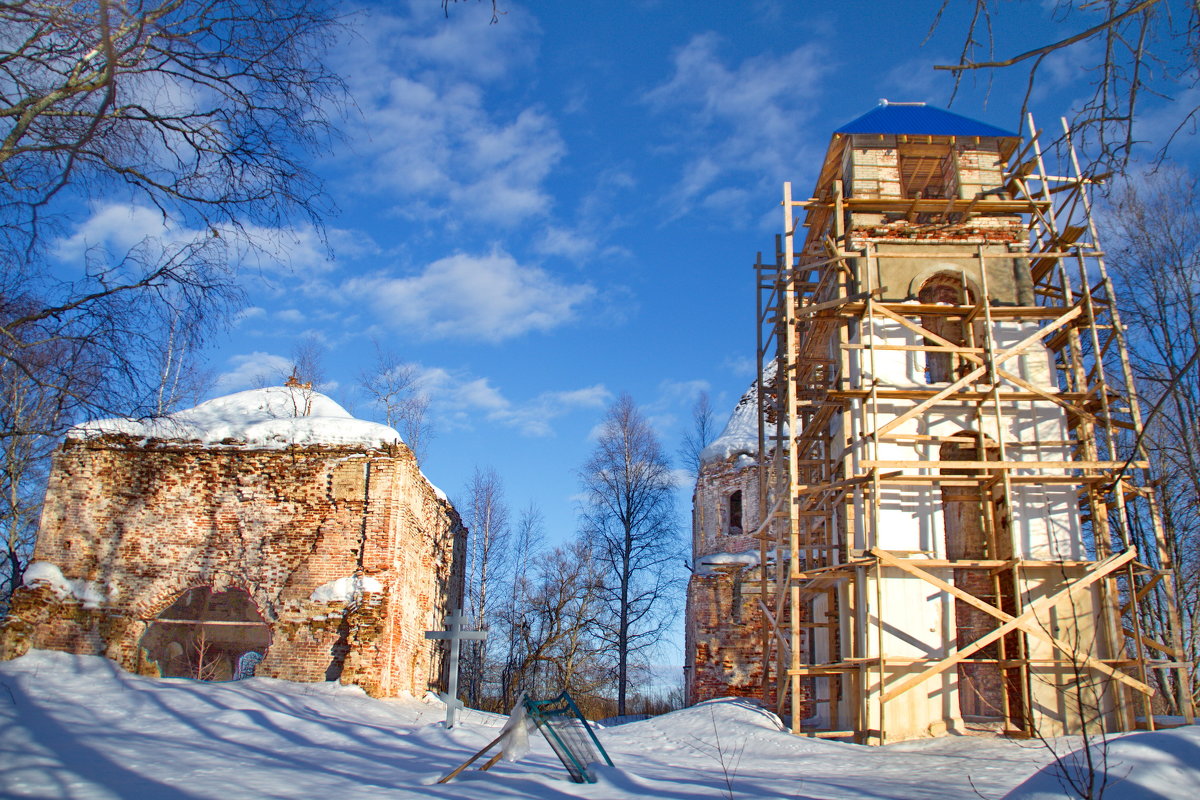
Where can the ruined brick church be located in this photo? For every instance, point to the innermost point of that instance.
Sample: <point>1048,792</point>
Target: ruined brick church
<point>268,532</point>
<point>918,518</point>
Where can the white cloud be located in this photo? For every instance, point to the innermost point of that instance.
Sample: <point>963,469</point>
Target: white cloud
<point>737,121</point>
<point>533,418</point>
<point>253,369</point>
<point>428,134</point>
<point>117,228</point>
<point>488,297</point>
<point>744,366</point>
<point>462,401</point>
<point>248,313</point>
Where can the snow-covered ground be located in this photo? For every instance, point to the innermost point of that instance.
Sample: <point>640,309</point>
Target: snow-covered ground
<point>79,727</point>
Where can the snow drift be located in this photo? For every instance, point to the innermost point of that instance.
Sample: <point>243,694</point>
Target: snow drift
<point>78,727</point>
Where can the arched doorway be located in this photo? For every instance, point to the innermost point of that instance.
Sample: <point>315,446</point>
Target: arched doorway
<point>970,535</point>
<point>207,635</point>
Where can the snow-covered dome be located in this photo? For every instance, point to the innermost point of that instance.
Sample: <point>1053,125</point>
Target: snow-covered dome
<point>740,436</point>
<point>274,417</point>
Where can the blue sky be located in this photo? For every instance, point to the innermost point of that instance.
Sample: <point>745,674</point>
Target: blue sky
<point>544,213</point>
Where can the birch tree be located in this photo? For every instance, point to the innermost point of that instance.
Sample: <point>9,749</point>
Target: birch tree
<point>393,387</point>
<point>629,521</point>
<point>699,435</point>
<point>488,526</point>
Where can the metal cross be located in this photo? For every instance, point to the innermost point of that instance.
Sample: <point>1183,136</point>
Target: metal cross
<point>455,634</point>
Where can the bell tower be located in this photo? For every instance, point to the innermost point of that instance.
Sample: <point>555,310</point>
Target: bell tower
<point>944,484</point>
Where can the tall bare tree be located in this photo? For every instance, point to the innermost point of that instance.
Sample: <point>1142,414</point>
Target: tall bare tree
<point>526,550</point>
<point>699,435</point>
<point>487,521</point>
<point>393,388</point>
<point>629,520</point>
<point>1153,241</point>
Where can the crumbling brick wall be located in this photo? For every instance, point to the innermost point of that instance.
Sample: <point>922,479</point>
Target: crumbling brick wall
<point>137,524</point>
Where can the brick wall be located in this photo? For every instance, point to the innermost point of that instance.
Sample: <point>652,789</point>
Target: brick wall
<point>145,522</point>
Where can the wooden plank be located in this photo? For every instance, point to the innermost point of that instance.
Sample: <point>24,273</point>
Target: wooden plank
<point>473,758</point>
<point>816,308</point>
<point>1157,645</point>
<point>923,394</point>
<point>1000,465</point>
<point>998,359</point>
<point>1026,621</point>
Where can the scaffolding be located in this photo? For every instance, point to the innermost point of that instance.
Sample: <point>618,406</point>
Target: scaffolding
<point>829,426</point>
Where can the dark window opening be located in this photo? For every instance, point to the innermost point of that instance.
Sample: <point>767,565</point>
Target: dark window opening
<point>735,512</point>
<point>927,171</point>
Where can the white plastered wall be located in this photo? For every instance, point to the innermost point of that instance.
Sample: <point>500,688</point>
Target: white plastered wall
<point>917,618</point>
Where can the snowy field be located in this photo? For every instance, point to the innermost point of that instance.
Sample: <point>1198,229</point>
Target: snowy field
<point>78,727</point>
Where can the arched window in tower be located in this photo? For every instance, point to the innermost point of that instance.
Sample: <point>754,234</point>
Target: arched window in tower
<point>735,513</point>
<point>945,288</point>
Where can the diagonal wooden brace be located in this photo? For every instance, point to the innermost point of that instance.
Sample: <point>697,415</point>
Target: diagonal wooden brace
<point>1026,621</point>
<point>976,373</point>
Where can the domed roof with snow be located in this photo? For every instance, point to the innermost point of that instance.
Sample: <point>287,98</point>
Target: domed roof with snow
<point>740,436</point>
<point>274,417</point>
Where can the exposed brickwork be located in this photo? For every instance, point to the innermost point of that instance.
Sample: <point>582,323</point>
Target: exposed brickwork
<point>144,522</point>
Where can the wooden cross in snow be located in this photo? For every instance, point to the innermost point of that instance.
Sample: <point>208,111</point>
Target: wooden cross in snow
<point>455,635</point>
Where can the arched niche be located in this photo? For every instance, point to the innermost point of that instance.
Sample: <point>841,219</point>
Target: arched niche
<point>970,524</point>
<point>946,287</point>
<point>207,635</point>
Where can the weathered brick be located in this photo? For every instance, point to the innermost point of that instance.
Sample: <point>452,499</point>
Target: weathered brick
<point>145,522</point>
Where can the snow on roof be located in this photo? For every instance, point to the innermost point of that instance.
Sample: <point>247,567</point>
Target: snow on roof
<point>274,417</point>
<point>740,436</point>
<point>920,120</point>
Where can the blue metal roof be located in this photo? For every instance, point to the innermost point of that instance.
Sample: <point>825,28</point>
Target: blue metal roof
<point>920,120</point>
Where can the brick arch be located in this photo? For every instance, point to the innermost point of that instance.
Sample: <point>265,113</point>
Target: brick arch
<point>944,270</point>
<point>941,285</point>
<point>205,634</point>
<point>165,586</point>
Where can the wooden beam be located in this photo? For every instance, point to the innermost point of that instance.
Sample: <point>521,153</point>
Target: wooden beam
<point>1025,621</point>
<point>1000,465</point>
<point>971,376</point>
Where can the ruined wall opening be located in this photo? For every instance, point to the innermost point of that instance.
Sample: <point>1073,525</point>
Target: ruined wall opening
<point>735,513</point>
<point>927,170</point>
<point>206,635</point>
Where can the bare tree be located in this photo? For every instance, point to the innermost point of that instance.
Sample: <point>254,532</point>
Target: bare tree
<point>629,519</point>
<point>700,435</point>
<point>308,361</point>
<point>555,629</point>
<point>206,111</point>
<point>487,521</point>
<point>1154,251</point>
<point>1142,48</point>
<point>28,409</point>
<point>392,385</point>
